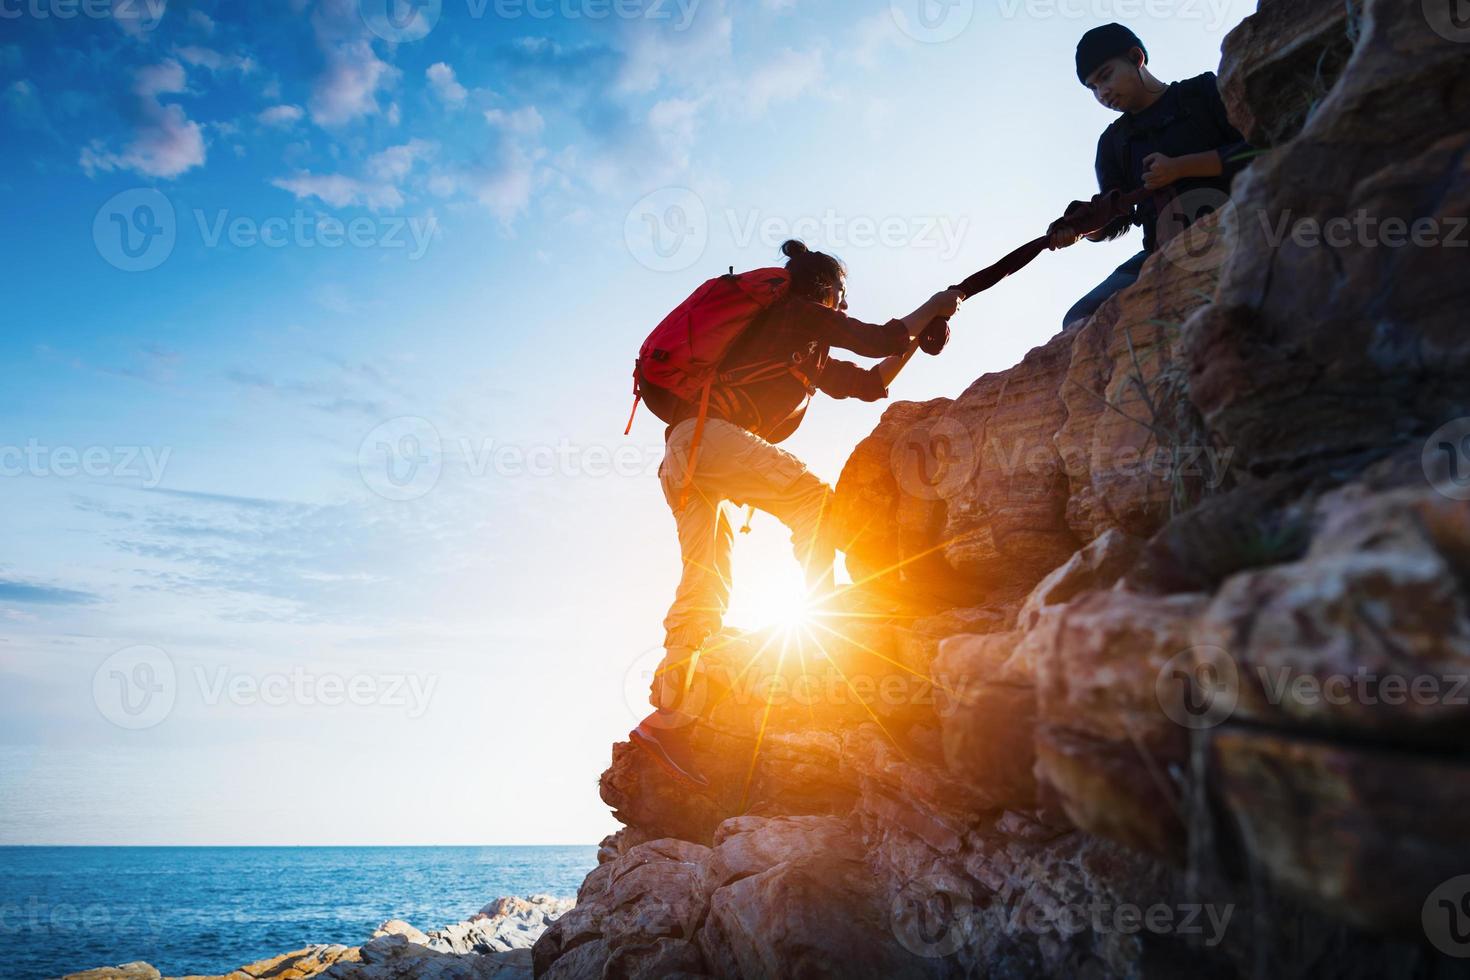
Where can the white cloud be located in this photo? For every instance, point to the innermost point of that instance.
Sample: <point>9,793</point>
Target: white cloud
<point>201,20</point>
<point>166,142</point>
<point>783,78</point>
<point>166,77</point>
<point>347,88</point>
<point>379,187</point>
<point>202,57</point>
<point>23,106</point>
<point>280,115</point>
<point>506,188</point>
<point>522,122</point>
<point>394,163</point>
<point>341,191</point>
<point>445,85</point>
<point>655,51</point>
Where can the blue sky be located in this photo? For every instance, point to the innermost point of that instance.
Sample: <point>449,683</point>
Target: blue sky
<point>319,525</point>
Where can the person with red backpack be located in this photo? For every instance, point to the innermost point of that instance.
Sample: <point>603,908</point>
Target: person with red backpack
<point>732,371</point>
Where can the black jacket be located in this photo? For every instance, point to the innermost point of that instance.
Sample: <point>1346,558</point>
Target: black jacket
<point>1188,118</point>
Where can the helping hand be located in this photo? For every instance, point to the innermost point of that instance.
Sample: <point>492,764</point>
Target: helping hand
<point>1063,237</point>
<point>945,304</point>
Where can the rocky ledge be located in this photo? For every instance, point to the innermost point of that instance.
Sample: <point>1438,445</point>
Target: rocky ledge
<point>1166,630</point>
<point>494,943</point>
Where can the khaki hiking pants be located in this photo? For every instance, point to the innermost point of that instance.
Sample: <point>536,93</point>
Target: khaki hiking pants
<point>737,466</point>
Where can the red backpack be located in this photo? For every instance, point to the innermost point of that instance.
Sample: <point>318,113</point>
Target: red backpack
<point>680,361</point>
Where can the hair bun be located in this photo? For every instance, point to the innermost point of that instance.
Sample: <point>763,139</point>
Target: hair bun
<point>793,248</point>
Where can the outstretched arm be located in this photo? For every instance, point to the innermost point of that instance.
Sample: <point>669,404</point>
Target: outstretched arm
<point>872,340</point>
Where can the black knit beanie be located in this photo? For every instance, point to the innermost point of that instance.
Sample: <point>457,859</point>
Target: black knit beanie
<point>1102,43</point>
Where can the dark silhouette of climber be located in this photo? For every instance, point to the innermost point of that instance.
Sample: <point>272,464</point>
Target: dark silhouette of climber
<point>1171,140</point>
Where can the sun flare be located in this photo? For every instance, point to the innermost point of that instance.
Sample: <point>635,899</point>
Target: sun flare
<point>789,609</point>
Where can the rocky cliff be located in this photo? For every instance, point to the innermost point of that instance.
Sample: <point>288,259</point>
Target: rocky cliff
<point>1166,631</point>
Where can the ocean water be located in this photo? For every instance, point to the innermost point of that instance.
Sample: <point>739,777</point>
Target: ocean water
<point>212,909</point>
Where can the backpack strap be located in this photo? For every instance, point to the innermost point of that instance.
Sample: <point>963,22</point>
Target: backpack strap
<point>694,443</point>
<point>637,397</point>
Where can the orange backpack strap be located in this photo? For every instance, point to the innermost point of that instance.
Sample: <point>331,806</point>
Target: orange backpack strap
<point>637,397</point>
<point>694,443</point>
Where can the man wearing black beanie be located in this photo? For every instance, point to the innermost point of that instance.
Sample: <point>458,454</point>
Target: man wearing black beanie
<point>1171,138</point>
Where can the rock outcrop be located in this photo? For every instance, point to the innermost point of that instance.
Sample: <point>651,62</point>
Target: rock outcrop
<point>494,944</point>
<point>1165,635</point>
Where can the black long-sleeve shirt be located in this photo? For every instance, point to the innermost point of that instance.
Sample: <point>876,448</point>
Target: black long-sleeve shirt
<point>799,334</point>
<point>1188,118</point>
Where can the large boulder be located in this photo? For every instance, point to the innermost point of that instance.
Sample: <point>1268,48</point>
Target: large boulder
<point>1338,327</point>
<point>1366,637</point>
<point>814,916</point>
<point>1280,62</point>
<point>959,503</point>
<point>774,897</point>
<point>1109,743</point>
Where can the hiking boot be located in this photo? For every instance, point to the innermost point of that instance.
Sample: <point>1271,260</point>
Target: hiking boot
<point>669,750</point>
<point>679,691</point>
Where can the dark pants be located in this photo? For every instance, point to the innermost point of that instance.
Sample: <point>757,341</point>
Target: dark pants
<point>1123,277</point>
